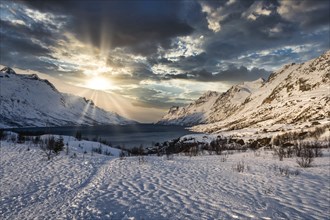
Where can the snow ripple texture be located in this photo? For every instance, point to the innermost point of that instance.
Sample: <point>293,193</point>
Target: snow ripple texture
<point>102,187</point>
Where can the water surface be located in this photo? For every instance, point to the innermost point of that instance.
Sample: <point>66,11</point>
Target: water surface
<point>118,135</point>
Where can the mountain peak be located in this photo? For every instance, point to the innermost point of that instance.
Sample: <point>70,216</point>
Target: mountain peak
<point>210,93</point>
<point>7,70</point>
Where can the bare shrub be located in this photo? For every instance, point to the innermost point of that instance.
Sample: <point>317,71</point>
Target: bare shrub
<point>169,154</point>
<point>299,135</point>
<point>298,148</point>
<point>224,158</point>
<point>78,135</point>
<point>98,149</point>
<point>269,190</point>
<point>107,153</point>
<point>306,157</point>
<point>239,167</point>
<point>280,152</point>
<point>194,150</point>
<point>20,138</point>
<point>256,153</point>
<point>142,159</point>
<point>317,152</point>
<point>283,171</point>
<point>217,146</point>
<point>289,152</point>
<point>13,138</point>
<point>137,150</point>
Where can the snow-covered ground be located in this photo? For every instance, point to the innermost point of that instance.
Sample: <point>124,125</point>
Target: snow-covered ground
<point>203,187</point>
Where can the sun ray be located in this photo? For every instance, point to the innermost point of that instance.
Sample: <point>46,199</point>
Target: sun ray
<point>83,113</point>
<point>95,100</point>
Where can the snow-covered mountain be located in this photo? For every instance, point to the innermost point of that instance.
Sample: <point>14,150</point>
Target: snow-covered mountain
<point>293,95</point>
<point>195,113</point>
<point>27,100</point>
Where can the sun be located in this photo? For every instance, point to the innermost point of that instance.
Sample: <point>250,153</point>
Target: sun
<point>98,83</point>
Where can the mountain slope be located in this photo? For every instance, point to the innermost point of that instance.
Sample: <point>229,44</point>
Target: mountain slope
<point>212,106</point>
<point>296,94</point>
<point>27,100</point>
<point>194,113</point>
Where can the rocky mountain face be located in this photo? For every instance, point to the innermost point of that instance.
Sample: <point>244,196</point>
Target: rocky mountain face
<point>294,95</point>
<point>27,100</point>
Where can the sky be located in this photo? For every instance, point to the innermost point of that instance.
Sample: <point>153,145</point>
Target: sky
<point>159,53</point>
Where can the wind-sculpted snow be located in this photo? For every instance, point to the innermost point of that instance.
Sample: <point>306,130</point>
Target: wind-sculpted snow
<point>27,100</point>
<point>203,187</point>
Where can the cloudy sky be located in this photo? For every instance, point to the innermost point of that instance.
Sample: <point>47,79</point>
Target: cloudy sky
<point>161,53</point>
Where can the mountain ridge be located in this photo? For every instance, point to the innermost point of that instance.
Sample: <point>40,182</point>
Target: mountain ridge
<point>295,94</point>
<point>27,100</point>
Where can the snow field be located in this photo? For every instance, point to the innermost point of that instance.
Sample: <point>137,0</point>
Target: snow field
<point>203,187</point>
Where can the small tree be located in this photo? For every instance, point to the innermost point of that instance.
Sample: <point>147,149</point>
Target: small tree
<point>78,135</point>
<point>51,147</point>
<point>59,145</point>
<point>141,154</point>
<point>13,138</point>
<point>217,146</point>
<point>122,154</point>
<point>2,134</point>
<point>67,149</point>
<point>21,138</point>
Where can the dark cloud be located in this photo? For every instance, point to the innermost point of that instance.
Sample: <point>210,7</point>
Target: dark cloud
<point>140,25</point>
<point>232,74</point>
<point>21,33</point>
<point>22,46</point>
<point>310,14</point>
<point>187,63</point>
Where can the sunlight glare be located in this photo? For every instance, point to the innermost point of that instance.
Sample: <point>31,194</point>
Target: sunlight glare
<point>98,83</point>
